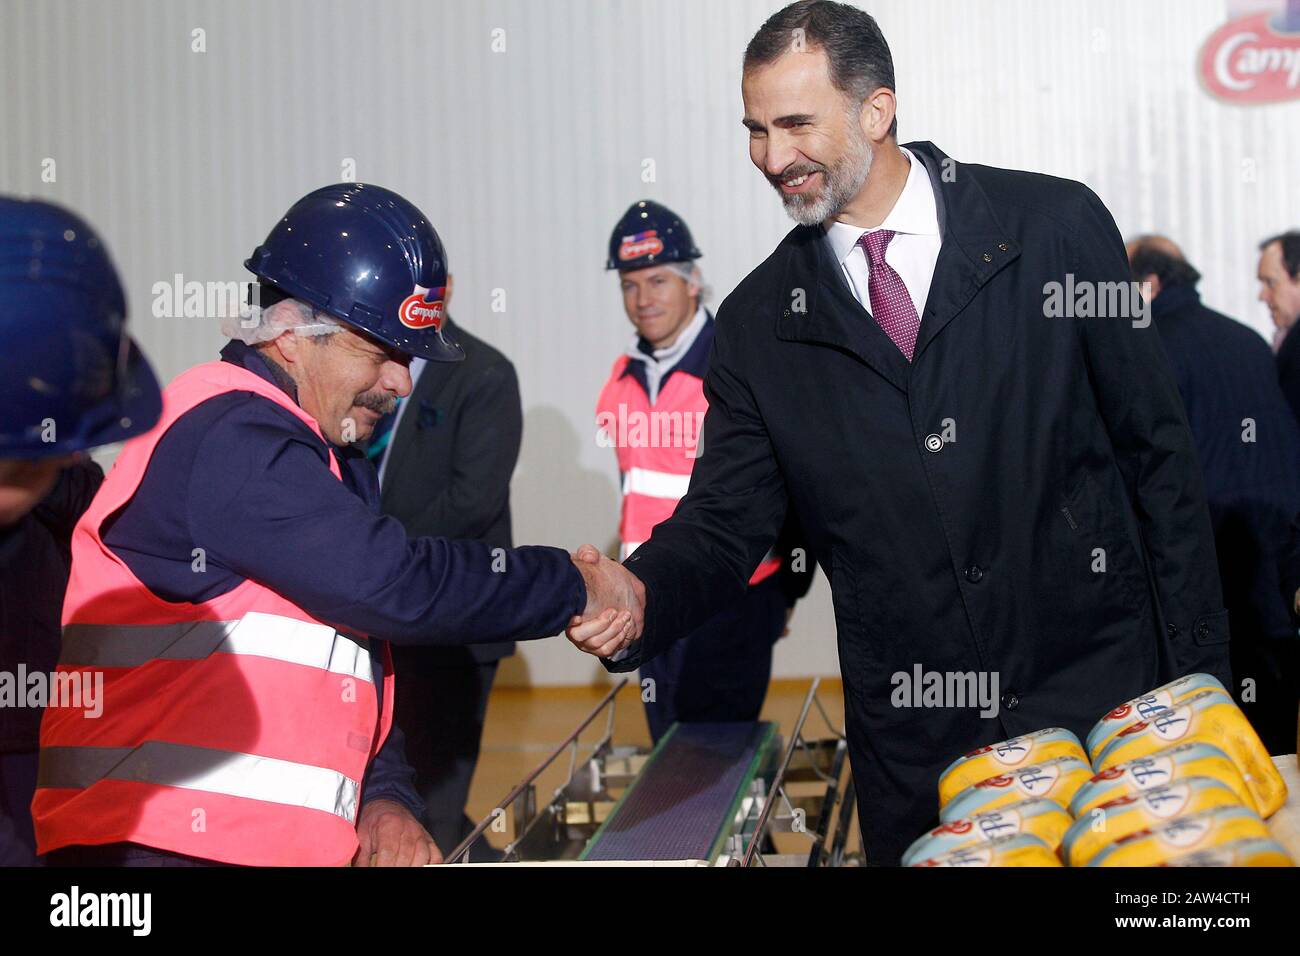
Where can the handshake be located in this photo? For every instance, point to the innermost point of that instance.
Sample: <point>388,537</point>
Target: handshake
<point>615,611</point>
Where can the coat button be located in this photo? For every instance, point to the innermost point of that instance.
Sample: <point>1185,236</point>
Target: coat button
<point>1171,630</point>
<point>933,443</point>
<point>987,257</point>
<point>1010,701</point>
<point>1003,246</point>
<point>1203,629</point>
<point>974,573</point>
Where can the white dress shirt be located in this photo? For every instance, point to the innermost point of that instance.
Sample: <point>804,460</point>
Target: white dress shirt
<point>912,252</point>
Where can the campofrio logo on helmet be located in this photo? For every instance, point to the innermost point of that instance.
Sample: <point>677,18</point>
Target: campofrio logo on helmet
<point>422,309</point>
<point>641,244</point>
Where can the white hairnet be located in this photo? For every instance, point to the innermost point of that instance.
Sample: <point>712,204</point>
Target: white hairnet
<point>287,315</point>
<point>691,273</point>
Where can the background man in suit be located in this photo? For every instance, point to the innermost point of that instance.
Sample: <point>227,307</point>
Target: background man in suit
<point>459,433</point>
<point>1248,444</point>
<point>1279,289</point>
<point>996,472</point>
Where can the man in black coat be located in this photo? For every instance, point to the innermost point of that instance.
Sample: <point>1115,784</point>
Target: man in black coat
<point>1279,289</point>
<point>1248,444</point>
<point>993,466</point>
<point>458,433</point>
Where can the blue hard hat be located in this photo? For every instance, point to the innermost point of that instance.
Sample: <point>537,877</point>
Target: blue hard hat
<point>70,377</point>
<point>649,235</point>
<point>366,256</point>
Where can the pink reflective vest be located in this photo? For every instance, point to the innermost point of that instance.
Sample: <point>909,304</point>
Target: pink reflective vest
<point>238,729</point>
<point>656,448</point>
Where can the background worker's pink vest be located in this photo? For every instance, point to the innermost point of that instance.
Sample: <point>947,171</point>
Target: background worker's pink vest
<point>236,730</point>
<point>656,450</point>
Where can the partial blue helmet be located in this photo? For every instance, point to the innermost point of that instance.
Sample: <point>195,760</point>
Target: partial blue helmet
<point>368,257</point>
<point>70,377</point>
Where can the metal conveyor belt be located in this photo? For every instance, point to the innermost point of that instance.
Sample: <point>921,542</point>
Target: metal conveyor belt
<point>681,805</point>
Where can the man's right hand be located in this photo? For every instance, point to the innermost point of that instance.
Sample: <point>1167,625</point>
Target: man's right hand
<point>615,611</point>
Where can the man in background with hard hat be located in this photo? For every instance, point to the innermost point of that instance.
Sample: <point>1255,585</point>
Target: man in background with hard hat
<point>237,584</point>
<point>70,380</point>
<point>650,411</point>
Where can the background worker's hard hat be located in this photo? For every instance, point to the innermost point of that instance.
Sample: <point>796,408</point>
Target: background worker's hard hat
<point>71,379</point>
<point>649,234</point>
<point>368,257</point>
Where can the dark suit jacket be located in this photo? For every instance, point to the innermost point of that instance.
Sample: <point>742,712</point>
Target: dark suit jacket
<point>1225,374</point>
<point>979,555</point>
<point>1288,369</point>
<point>453,454</point>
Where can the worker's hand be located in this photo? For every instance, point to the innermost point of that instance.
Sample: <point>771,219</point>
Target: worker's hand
<point>789,613</point>
<point>603,635</point>
<point>615,611</point>
<point>390,835</point>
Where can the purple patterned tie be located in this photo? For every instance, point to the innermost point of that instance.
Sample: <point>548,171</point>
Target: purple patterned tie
<point>891,306</point>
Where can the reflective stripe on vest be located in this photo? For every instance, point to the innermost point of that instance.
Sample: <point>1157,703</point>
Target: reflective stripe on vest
<point>255,635</point>
<point>656,448</point>
<point>202,768</point>
<point>656,484</point>
<point>243,712</point>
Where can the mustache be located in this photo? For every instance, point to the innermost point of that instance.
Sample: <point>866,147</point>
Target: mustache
<point>794,172</point>
<point>380,402</point>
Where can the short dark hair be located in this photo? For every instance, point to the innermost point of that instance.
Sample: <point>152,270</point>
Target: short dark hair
<point>1171,270</point>
<point>859,57</point>
<point>1290,241</point>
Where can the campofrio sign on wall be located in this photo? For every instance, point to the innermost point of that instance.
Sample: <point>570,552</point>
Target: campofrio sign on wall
<point>1255,56</point>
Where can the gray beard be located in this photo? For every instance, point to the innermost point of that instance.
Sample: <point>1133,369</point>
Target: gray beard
<point>843,181</point>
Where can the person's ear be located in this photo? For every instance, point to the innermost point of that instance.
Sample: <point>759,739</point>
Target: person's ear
<point>877,115</point>
<point>1149,283</point>
<point>287,347</point>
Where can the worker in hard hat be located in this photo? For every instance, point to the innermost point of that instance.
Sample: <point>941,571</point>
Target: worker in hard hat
<point>71,379</point>
<point>237,585</point>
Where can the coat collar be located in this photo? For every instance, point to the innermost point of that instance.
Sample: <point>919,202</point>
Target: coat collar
<point>974,248</point>
<point>238,353</point>
<point>1172,301</point>
<point>245,356</point>
<point>695,361</point>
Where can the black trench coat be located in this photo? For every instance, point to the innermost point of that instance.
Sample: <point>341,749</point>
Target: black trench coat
<point>962,505</point>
